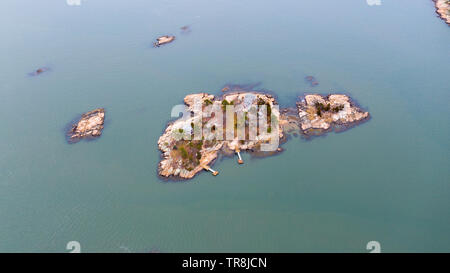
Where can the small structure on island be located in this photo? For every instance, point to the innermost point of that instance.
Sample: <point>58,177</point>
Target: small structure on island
<point>209,169</point>
<point>240,161</point>
<point>164,40</point>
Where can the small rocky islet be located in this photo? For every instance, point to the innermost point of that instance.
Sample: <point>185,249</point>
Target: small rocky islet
<point>318,114</point>
<point>89,126</point>
<point>166,39</point>
<point>313,115</point>
<point>162,40</point>
<point>443,9</point>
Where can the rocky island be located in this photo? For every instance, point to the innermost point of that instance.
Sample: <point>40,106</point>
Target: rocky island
<point>318,114</point>
<point>90,125</point>
<point>164,40</point>
<point>443,9</point>
<point>192,143</point>
<point>184,155</point>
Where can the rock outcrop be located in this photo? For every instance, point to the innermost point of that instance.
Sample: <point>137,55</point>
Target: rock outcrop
<point>443,9</point>
<point>164,40</point>
<point>89,126</point>
<point>319,114</point>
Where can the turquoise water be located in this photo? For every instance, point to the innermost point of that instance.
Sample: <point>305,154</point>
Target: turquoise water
<point>387,180</point>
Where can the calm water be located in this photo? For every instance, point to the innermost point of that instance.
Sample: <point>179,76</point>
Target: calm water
<point>387,180</point>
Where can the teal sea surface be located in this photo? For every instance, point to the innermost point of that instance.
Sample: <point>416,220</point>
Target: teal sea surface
<point>387,180</point>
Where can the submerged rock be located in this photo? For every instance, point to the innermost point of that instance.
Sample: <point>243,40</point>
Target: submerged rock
<point>185,29</point>
<point>164,40</point>
<point>312,81</point>
<point>39,71</point>
<point>90,125</point>
<point>443,9</point>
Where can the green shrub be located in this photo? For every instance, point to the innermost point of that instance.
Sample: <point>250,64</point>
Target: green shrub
<point>184,153</point>
<point>338,108</point>
<point>199,145</point>
<point>320,107</point>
